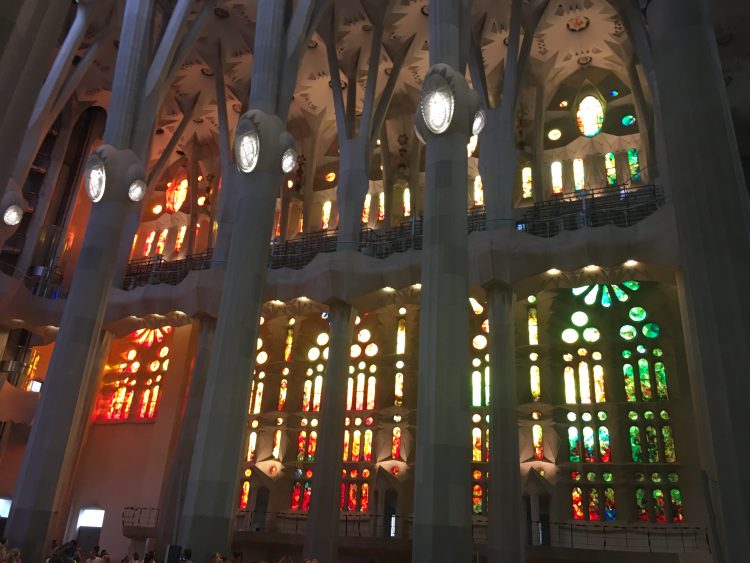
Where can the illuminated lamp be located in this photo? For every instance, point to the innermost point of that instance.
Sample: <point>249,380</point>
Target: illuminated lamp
<point>478,123</point>
<point>554,135</point>
<point>137,190</point>
<point>437,103</point>
<point>95,180</point>
<point>202,200</point>
<point>156,209</point>
<point>288,160</point>
<point>330,177</point>
<point>12,215</point>
<point>247,145</point>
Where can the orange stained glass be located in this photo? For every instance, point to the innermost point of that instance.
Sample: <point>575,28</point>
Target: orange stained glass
<point>306,496</point>
<point>296,493</point>
<point>360,403</point>
<point>476,444</point>
<point>346,445</point>
<point>352,502</point>
<point>599,393</point>
<point>407,202</point>
<point>282,394</point>
<point>244,495</point>
<point>381,206</point>
<point>399,389</point>
<point>149,243</point>
<point>258,400</point>
<point>367,447</point>
<point>366,209</point>
<point>176,195</point>
<point>162,241</point>
<point>311,445</point>
<point>364,503</point>
<point>180,238</point>
<point>147,336</point>
<point>401,337</point>
<point>356,443</point>
<point>301,445</point>
<point>288,343</point>
<point>538,439</point>
<point>577,503</point>
<point>276,452</point>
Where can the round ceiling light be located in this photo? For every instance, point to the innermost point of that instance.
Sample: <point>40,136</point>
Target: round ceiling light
<point>247,150</point>
<point>554,135</point>
<point>137,190</point>
<point>288,160</point>
<point>437,109</point>
<point>13,215</point>
<point>96,179</point>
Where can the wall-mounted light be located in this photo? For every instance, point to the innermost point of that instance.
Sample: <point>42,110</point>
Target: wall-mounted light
<point>247,145</point>
<point>137,190</point>
<point>108,167</point>
<point>478,124</point>
<point>12,215</point>
<point>96,178</point>
<point>288,160</point>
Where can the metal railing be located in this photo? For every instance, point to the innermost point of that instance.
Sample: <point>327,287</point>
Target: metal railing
<point>623,206</point>
<point>150,271</point>
<point>668,538</point>
<point>140,517</point>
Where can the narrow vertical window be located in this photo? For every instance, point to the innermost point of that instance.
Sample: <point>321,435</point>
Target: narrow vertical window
<point>356,445</point>
<point>364,503</point>
<point>258,398</point>
<point>584,382</point>
<point>476,444</point>
<point>312,444</point>
<point>610,507</point>
<point>599,392</point>
<point>634,165</point>
<point>149,243</point>
<point>660,509</point>
<point>478,191</point>
<point>381,206</point>
<point>396,443</point>
<point>162,241</point>
<point>652,445</point>
<point>288,343</point>
<point>276,444</point>
<point>407,202</point>
<point>371,392</point>
<point>636,450</point>
<point>366,209</point>
<point>527,186</point>
<point>251,444</point>
<point>661,381</point>
<point>579,174</point>
<point>670,456</point>
<point>282,394</point>
<point>557,177</point>
<point>301,445</point>
<point>641,505</point>
<point>611,167</point>
<point>349,393</point>
<point>570,385</point>
<point>326,220</point>
<point>401,337</point>
<point>476,388</point>
<point>180,238</point>
<point>676,505</point>
<point>538,439</point>
<point>477,497</point>
<point>317,393</point>
<point>604,449</point>
<point>536,383</point>
<point>360,403</point>
<point>398,389</point>
<point>367,446</point>
<point>594,509</point>
<point>588,445</point>
<point>577,503</point>
<point>627,371</point>
<point>244,495</point>
<point>296,493</point>
<point>574,444</point>
<point>306,496</point>
<point>306,395</point>
<point>346,445</point>
<point>533,327</point>
<point>644,377</point>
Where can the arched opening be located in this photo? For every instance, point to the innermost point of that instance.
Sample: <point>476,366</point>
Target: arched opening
<point>261,509</point>
<point>390,519</point>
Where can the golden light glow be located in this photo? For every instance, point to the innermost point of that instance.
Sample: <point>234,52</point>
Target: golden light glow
<point>330,177</point>
<point>631,263</point>
<point>202,200</point>
<point>553,271</point>
<point>176,195</point>
<point>156,209</point>
<point>591,268</point>
<point>475,306</point>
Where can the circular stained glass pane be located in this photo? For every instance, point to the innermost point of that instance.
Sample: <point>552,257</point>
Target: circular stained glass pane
<point>673,477</point>
<point>628,120</point>
<point>656,478</point>
<point>664,415</point>
<point>586,416</point>
<point>626,354</point>
<point>591,334</point>
<point>658,352</point>
<point>579,318</point>
<point>322,339</point>
<point>591,476</point>
<point>554,134</point>
<point>607,476</point>
<point>641,349</point>
<point>601,415</point>
<point>313,354</point>
<point>364,335</point>
<point>637,314</point>
<point>479,342</point>
<point>639,476</point>
<point>262,357</point>
<point>571,416</point>
<point>628,332</point>
<point>632,415</point>
<point>648,415</point>
<point>651,330</point>
<point>590,116</point>
<point>575,475</point>
<point>371,349</point>
<point>570,335</point>
<point>356,350</point>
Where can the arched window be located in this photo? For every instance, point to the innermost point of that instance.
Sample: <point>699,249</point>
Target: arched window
<point>401,337</point>
<point>590,116</point>
<point>258,397</point>
<point>276,451</point>
<point>306,395</point>
<point>282,394</point>
<point>371,392</point>
<point>634,165</point>
<point>317,393</point>
<point>610,165</point>
<point>537,435</point>
<point>396,443</point>
<point>381,206</point>
<point>557,177</point>
<point>476,444</point>
<point>527,186</point>
<point>366,209</point>
<point>367,446</point>
<point>326,219</point>
<point>579,174</point>
<point>407,202</point>
<point>399,389</point>
<point>251,445</point>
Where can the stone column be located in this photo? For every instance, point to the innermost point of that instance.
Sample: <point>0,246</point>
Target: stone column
<point>713,223</point>
<point>64,395</point>
<point>322,529</point>
<point>442,491</point>
<point>173,490</point>
<point>505,542</point>
<point>537,145</point>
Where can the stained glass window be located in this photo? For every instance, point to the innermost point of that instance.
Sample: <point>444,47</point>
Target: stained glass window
<point>599,392</point>
<point>533,326</point>
<point>317,393</point>
<point>180,238</point>
<point>604,449</point>
<point>396,443</point>
<point>588,444</point>
<point>326,219</point>
<point>536,383</point>
<point>577,503</point>
<point>574,447</point>
<point>570,385</point>
<point>627,370</point>
<point>276,451</point>
<point>311,445</point>
<point>538,441</point>
<point>356,445</point>
<point>161,241</point>
<point>476,444</point>
<point>301,445</point>
<point>282,394</point>
<point>251,445</point>
<point>610,508</point>
<point>652,445</point>
<point>676,505</point>
<point>634,165</point>
<point>645,378</point>
<point>476,388</point>
<point>407,202</point>
<point>367,446</point>
<point>346,445</point>
<point>360,395</point>
<point>381,206</point>
<point>527,186</point>
<point>401,337</point>
<point>668,439</point>
<point>579,174</point>
<point>349,393</point>
<point>477,497</point>
<point>478,191</point>
<point>636,450</point>
<point>149,243</point>
<point>398,389</point>
<point>306,496</point>
<point>590,116</point>
<point>611,167</point>
<point>557,177</point>
<point>641,504</point>
<point>244,495</point>
<point>584,383</point>
<point>366,209</point>
<point>660,512</point>
<point>371,392</point>
<point>594,511</point>
<point>661,381</point>
<point>296,493</point>
<point>288,343</point>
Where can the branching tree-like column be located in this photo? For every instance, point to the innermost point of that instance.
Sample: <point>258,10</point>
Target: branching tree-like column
<point>356,140</point>
<point>115,181</point>
<point>263,150</point>
<point>712,214</point>
<point>447,115</point>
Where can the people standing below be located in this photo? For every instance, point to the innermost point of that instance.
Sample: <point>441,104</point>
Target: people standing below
<point>187,555</point>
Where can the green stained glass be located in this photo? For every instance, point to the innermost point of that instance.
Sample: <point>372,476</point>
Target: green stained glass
<point>632,415</point>
<point>627,371</point>
<point>648,415</point>
<point>669,451</point>
<point>590,298</point>
<point>661,381</point>
<point>607,476</point>
<point>639,477</point>
<point>634,165</point>
<point>601,415</point>
<point>610,508</point>
<point>636,450</point>
<point>637,314</point>
<point>611,168</point>
<point>594,511</point>
<point>656,477</point>
<point>622,297</point>
<point>660,513</point>
<point>626,354</point>
<point>633,285</point>
<point>652,445</point>
<point>664,415</point>
<point>604,451</point>
<point>673,477</point>
<point>628,332</point>
<point>641,504</point>
<point>658,352</point>
<point>591,476</point>
<point>606,297</point>
<point>580,290</point>
<point>573,445</point>
<point>588,445</point>
<point>651,330</point>
<point>641,349</point>
<point>676,504</point>
<point>645,378</point>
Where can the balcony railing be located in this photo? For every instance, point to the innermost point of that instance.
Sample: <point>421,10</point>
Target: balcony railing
<point>139,522</point>
<point>566,535</point>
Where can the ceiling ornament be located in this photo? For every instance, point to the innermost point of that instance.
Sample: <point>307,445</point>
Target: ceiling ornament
<point>578,23</point>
